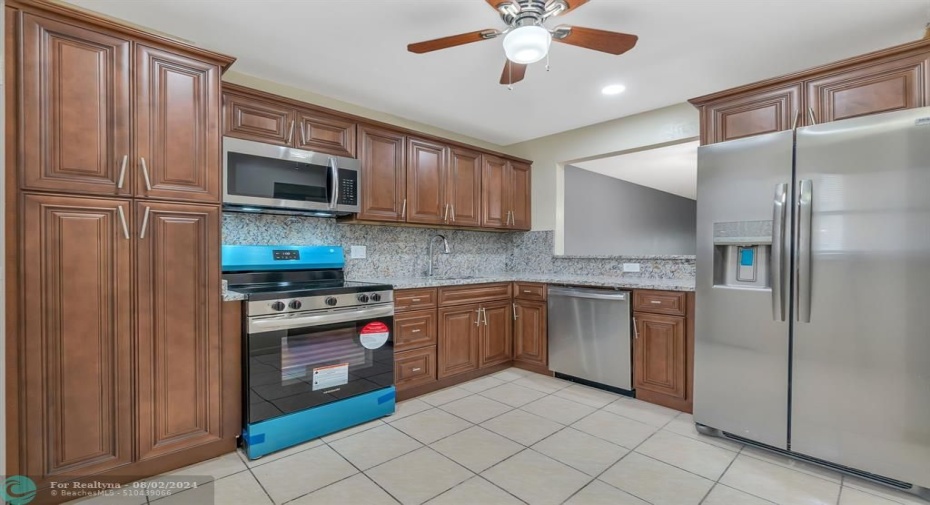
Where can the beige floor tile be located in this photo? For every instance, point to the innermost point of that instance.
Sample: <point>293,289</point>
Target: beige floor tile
<point>536,479</point>
<point>779,484</point>
<point>684,425</point>
<point>723,495</point>
<point>616,429</point>
<point>446,395</point>
<point>302,473</point>
<point>356,490</point>
<point>512,395</point>
<point>542,383</point>
<point>478,385</point>
<point>643,412</point>
<point>691,455</point>
<point>581,451</point>
<point>268,458</point>
<point>598,493</point>
<point>793,464</point>
<point>236,489</point>
<point>881,491</point>
<point>477,448</point>
<point>476,409</point>
<point>348,432</point>
<point>558,409</point>
<point>375,446</point>
<point>475,491</point>
<point>596,398</point>
<point>850,496</point>
<point>656,482</point>
<point>205,472</point>
<point>418,476</point>
<point>431,425</point>
<point>522,427</point>
<point>510,374</point>
<point>113,498</point>
<point>407,408</point>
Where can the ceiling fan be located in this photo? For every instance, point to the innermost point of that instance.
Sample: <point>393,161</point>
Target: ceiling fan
<point>526,38</point>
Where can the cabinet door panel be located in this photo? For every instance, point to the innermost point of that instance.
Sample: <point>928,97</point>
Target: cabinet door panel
<point>426,182</point>
<point>75,120</point>
<point>384,177</point>
<point>179,368</point>
<point>414,367</point>
<point>253,119</point>
<point>530,335</point>
<point>464,187</point>
<point>659,354</point>
<point>177,126</point>
<point>521,219</point>
<point>759,113</point>
<point>414,329</point>
<point>496,333</point>
<point>494,192</point>
<point>324,133</point>
<point>77,327</point>
<point>458,340</point>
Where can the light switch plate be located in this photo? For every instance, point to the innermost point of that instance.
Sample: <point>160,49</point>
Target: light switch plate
<point>631,267</point>
<point>358,252</point>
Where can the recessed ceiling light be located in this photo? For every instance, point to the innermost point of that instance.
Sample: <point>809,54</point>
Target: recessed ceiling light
<point>613,89</point>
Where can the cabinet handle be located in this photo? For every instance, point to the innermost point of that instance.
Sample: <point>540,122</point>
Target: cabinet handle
<point>514,311</point>
<point>453,211</point>
<point>145,222</point>
<point>416,331</point>
<point>414,299</point>
<point>810,112</point>
<point>635,329</point>
<point>290,132</point>
<point>122,172</point>
<point>478,319</point>
<point>656,302</point>
<point>303,133</point>
<point>445,216</point>
<point>527,291</point>
<point>122,220</point>
<point>145,174</point>
<point>417,369</point>
<point>403,211</point>
<point>797,117</point>
<point>484,314</point>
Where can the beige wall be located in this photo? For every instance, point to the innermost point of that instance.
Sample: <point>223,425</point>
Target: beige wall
<point>550,154</point>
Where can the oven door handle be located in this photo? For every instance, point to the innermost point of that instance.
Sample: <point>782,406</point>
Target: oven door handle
<point>286,322</point>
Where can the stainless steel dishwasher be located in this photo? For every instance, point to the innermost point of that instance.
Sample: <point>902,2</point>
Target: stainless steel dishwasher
<point>589,335</point>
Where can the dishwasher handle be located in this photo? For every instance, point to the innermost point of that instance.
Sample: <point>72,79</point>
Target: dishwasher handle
<point>590,293</point>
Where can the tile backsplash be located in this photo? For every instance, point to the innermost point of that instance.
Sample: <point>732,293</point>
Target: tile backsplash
<point>394,251</point>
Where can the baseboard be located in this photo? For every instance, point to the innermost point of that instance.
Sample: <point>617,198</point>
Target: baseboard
<point>664,400</point>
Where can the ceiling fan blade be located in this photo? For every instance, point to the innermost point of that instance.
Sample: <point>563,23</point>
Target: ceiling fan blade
<point>452,41</point>
<point>599,40</point>
<point>570,5</point>
<point>513,72</point>
<point>495,4</point>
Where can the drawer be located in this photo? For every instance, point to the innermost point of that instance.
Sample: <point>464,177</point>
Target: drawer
<point>414,368</point>
<point>414,299</point>
<point>414,329</point>
<point>529,291</point>
<point>474,293</point>
<point>659,302</point>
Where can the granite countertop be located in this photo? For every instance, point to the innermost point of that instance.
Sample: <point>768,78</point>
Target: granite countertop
<point>574,280</point>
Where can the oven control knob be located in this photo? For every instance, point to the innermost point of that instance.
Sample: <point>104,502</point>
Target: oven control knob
<point>331,301</point>
<point>363,298</point>
<point>376,297</point>
<point>279,306</point>
<point>295,304</point>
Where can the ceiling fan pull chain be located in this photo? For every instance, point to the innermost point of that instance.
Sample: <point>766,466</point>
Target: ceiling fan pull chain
<point>547,61</point>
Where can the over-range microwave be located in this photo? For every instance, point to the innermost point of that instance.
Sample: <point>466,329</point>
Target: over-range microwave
<point>266,178</point>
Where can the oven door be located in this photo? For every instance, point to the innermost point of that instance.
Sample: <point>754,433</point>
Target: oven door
<point>295,362</point>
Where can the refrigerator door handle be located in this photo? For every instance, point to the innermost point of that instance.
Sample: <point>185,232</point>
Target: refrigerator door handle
<point>805,201</point>
<point>779,213</point>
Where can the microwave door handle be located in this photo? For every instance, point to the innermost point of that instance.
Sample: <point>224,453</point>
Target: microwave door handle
<point>335,173</point>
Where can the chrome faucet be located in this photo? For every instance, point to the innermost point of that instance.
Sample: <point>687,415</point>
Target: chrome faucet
<point>445,250</point>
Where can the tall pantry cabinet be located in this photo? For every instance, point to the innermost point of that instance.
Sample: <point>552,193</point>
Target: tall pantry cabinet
<point>116,365</point>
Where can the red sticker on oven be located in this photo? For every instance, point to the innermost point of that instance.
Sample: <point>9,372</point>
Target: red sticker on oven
<point>374,335</point>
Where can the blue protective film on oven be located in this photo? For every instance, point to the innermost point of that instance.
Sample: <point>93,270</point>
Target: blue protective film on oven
<point>244,258</point>
<point>388,397</point>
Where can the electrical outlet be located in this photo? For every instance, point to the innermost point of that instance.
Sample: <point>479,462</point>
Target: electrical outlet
<point>631,267</point>
<point>358,252</point>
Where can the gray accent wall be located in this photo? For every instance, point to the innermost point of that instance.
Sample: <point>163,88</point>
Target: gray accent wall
<point>608,216</point>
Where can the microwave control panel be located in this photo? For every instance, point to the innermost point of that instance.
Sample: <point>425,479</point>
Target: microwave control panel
<point>348,187</point>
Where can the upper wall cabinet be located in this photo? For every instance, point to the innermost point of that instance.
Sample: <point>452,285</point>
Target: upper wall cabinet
<point>427,175</point>
<point>893,79</point>
<point>252,115</point>
<point>382,154</point>
<point>463,187</point>
<point>505,194</point>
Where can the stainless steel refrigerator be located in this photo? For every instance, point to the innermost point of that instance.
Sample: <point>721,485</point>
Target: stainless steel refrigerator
<point>813,293</point>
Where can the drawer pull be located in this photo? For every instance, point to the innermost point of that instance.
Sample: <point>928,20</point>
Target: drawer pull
<point>414,299</point>
<point>416,369</point>
<point>656,302</point>
<point>527,291</point>
<point>416,330</point>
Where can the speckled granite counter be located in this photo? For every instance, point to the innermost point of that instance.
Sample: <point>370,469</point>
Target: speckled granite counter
<point>574,280</point>
<point>233,296</point>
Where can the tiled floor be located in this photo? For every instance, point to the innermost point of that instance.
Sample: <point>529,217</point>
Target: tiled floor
<point>516,437</point>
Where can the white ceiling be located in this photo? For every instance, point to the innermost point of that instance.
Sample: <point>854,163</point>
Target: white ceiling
<point>355,51</point>
<point>672,169</point>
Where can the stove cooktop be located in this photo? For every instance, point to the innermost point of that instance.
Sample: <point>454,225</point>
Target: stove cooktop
<point>274,291</point>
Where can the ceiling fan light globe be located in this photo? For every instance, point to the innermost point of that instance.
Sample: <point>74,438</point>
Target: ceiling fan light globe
<point>527,44</point>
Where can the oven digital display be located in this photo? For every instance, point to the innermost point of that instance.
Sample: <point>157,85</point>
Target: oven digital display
<point>285,254</point>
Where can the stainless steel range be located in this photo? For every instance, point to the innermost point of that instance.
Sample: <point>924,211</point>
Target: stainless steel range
<point>318,352</point>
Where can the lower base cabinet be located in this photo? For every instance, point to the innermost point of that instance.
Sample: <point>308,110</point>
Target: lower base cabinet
<point>459,334</point>
<point>415,367</point>
<point>496,333</point>
<point>659,354</point>
<point>530,333</point>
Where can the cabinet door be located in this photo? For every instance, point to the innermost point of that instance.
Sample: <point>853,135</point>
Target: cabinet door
<point>180,378</point>
<point>426,182</point>
<point>659,354</point>
<point>384,177</point>
<point>177,126</point>
<point>529,333</point>
<point>458,340</point>
<point>77,293</point>
<point>764,112</point>
<point>414,367</point>
<point>259,120</point>
<point>463,188</point>
<point>324,133</point>
<point>75,109</point>
<point>414,329</point>
<point>496,333</point>
<point>494,192</point>
<point>870,89</point>
<point>521,217</point>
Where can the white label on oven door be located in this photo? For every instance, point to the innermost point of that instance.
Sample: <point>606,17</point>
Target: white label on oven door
<point>330,376</point>
<point>374,335</point>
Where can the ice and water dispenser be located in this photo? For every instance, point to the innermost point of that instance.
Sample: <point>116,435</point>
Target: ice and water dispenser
<point>741,254</point>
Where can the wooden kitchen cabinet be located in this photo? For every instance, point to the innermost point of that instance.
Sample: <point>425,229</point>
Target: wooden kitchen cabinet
<point>659,354</point>
<point>459,339</point>
<point>519,197</point>
<point>415,329</point>
<point>754,114</point>
<point>251,118</point>
<point>319,132</point>
<point>426,182</point>
<point>415,367</point>
<point>495,183</point>
<point>530,333</point>
<point>496,333</point>
<point>382,155</point>
<point>463,189</point>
